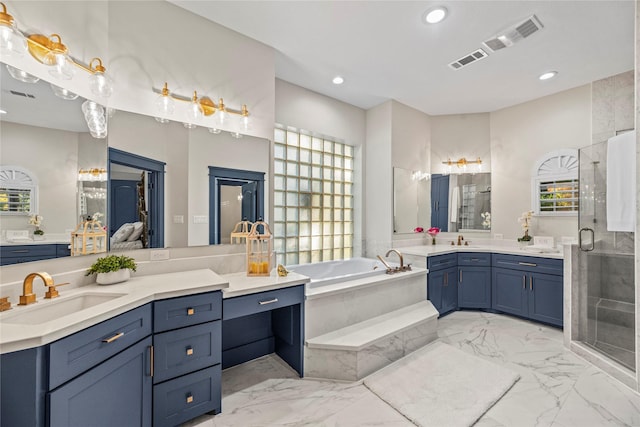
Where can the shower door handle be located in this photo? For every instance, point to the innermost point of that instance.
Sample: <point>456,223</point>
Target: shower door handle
<point>593,239</point>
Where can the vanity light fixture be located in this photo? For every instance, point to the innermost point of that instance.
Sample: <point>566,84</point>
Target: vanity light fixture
<point>462,164</point>
<point>435,15</point>
<point>100,83</point>
<point>548,75</point>
<point>198,108</point>
<point>22,76</point>
<point>94,174</point>
<point>420,176</point>
<point>12,42</point>
<point>94,114</point>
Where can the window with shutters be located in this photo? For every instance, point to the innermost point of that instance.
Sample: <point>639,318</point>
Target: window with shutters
<point>18,191</point>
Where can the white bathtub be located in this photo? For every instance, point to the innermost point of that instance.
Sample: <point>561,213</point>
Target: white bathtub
<point>330,272</point>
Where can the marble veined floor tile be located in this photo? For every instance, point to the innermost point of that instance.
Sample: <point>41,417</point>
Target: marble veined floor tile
<point>598,400</point>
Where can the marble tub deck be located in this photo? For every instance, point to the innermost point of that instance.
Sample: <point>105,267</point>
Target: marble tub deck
<point>556,388</point>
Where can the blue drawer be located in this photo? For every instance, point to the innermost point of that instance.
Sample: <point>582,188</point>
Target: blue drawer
<point>186,311</point>
<point>528,263</point>
<point>187,397</point>
<point>263,301</point>
<point>186,350</point>
<point>439,262</point>
<point>76,353</point>
<point>474,259</point>
<point>28,251</point>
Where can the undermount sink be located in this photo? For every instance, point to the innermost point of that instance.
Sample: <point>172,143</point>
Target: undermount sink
<point>47,310</point>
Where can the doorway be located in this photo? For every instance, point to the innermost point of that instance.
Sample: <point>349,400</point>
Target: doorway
<point>139,199</point>
<point>234,195</point>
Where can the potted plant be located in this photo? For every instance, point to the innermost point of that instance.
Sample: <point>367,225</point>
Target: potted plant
<point>112,269</point>
<point>525,221</point>
<point>36,221</point>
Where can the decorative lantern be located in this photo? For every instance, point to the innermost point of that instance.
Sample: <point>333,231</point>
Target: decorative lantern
<point>88,238</point>
<point>240,232</point>
<point>259,250</point>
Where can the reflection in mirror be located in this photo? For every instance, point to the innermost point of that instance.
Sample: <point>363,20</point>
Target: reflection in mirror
<point>410,201</point>
<point>49,137</point>
<point>461,202</point>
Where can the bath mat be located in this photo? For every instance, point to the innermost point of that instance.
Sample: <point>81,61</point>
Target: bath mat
<point>440,385</point>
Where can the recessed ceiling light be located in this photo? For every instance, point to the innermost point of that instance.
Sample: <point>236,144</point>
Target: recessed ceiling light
<point>435,15</point>
<point>338,80</point>
<point>548,75</point>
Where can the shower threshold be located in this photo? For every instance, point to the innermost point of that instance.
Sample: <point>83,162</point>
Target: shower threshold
<point>619,355</point>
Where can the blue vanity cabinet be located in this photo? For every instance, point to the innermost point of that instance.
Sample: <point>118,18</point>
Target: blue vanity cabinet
<point>262,323</point>
<point>16,254</point>
<point>187,355</point>
<point>474,280</point>
<point>114,393</point>
<point>442,282</point>
<point>530,287</point>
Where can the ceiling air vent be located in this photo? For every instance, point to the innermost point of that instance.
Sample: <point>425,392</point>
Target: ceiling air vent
<point>26,95</point>
<point>468,59</point>
<point>514,34</point>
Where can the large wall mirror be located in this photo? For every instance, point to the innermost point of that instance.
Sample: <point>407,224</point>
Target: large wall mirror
<point>461,202</point>
<point>410,201</point>
<point>44,132</point>
<point>49,136</point>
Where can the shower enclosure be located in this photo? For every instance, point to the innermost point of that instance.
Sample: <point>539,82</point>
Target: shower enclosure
<point>605,268</point>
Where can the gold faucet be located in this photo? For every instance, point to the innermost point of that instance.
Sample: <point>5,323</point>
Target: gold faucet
<point>402,266</point>
<point>28,297</point>
<point>460,239</point>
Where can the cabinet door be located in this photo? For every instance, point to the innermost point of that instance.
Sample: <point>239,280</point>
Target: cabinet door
<point>474,287</point>
<point>450,290</point>
<point>114,393</point>
<point>545,298</point>
<point>508,292</point>
<point>435,282</point>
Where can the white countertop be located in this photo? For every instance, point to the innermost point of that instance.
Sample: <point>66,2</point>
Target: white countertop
<point>430,250</point>
<point>240,284</point>
<point>137,291</point>
<point>45,241</point>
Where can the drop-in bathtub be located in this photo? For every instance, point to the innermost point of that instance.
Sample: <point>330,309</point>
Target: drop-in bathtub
<point>330,272</point>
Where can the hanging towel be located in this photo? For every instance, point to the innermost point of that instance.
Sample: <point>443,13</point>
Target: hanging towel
<point>621,182</point>
<point>455,199</point>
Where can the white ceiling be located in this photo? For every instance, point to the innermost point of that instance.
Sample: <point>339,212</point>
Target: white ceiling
<point>384,51</point>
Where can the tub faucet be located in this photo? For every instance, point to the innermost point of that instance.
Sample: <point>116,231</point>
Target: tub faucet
<point>385,264</point>
<point>402,266</point>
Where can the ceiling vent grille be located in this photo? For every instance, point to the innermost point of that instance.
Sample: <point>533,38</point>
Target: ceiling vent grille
<point>468,59</point>
<point>25,95</point>
<point>512,35</point>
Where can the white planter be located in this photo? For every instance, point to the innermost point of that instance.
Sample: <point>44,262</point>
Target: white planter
<point>113,277</point>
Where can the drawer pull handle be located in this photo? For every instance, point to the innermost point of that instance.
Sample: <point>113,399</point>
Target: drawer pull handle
<point>271,301</point>
<point>191,311</point>
<point>23,251</point>
<point>189,351</point>
<point>189,398</point>
<point>531,283</point>
<point>113,338</point>
<point>475,259</point>
<point>528,264</point>
<point>524,282</point>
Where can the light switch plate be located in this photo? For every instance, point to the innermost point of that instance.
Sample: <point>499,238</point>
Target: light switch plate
<point>498,236</point>
<point>200,219</point>
<point>178,219</point>
<point>159,255</point>
<point>545,241</point>
<point>17,235</point>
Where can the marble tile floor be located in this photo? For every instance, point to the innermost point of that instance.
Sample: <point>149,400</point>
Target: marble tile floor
<point>556,388</point>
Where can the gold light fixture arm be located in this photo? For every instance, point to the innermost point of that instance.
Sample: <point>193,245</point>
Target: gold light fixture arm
<point>40,46</point>
<point>462,162</point>
<point>209,107</point>
<point>5,18</point>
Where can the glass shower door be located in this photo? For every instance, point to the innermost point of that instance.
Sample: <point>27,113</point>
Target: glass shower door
<point>605,267</point>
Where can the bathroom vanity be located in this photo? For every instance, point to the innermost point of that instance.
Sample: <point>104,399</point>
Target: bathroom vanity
<point>151,347</point>
<point>502,280</point>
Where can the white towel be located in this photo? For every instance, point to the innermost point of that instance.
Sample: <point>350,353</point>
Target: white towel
<point>455,200</point>
<point>621,182</point>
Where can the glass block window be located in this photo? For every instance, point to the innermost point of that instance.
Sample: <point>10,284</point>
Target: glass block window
<point>313,198</point>
<point>555,184</point>
<point>18,191</point>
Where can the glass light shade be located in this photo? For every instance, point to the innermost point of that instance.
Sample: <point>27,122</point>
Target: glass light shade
<point>62,65</point>
<point>63,93</point>
<point>189,125</point>
<point>22,76</point>
<point>101,84</point>
<point>194,111</point>
<point>236,135</point>
<point>89,107</point>
<point>12,42</point>
<point>245,123</point>
<point>162,120</point>
<point>214,131</point>
<point>99,135</point>
<point>165,105</point>
<point>221,120</point>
